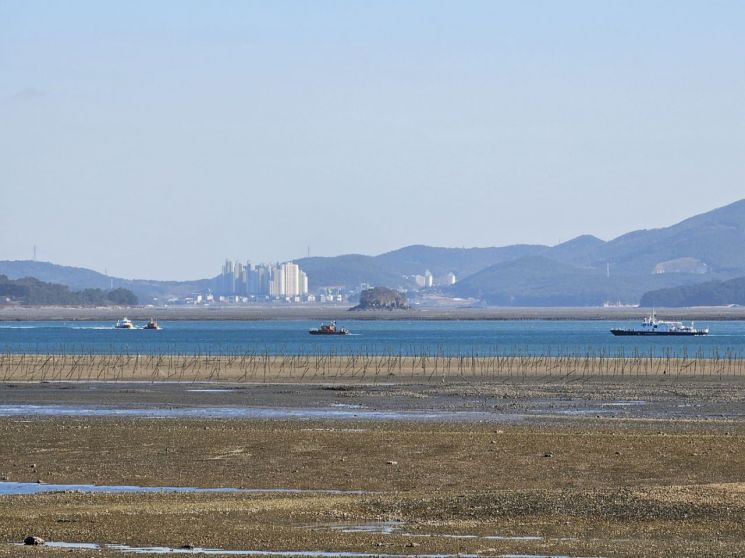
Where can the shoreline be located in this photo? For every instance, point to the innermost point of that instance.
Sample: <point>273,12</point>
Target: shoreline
<point>258,368</point>
<point>308,312</point>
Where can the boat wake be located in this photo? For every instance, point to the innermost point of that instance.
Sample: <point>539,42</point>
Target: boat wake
<point>48,326</point>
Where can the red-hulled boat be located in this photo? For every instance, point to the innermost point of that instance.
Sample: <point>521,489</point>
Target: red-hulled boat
<point>329,329</point>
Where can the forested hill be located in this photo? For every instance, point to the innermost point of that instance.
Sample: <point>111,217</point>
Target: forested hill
<point>31,291</point>
<point>711,293</point>
<point>79,278</point>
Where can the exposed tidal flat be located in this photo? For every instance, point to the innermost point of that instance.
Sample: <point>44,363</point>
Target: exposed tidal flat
<point>535,458</point>
<point>419,489</point>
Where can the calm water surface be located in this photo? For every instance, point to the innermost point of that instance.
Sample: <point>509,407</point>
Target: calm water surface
<point>457,338</point>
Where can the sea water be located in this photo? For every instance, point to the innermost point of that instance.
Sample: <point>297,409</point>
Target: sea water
<point>406,337</point>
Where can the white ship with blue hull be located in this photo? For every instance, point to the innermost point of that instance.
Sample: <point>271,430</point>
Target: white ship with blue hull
<point>652,326</point>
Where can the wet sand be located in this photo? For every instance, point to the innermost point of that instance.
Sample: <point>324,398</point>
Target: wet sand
<point>533,465</point>
<point>579,490</point>
<point>667,400</point>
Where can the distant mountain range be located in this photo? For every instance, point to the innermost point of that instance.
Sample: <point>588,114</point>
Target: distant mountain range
<point>398,268</point>
<point>581,272</point>
<point>588,271</point>
<point>79,278</point>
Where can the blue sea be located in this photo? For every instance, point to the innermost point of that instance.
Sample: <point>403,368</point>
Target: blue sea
<point>447,338</point>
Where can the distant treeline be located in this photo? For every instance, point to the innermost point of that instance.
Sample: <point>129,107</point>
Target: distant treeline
<point>712,293</point>
<point>34,292</point>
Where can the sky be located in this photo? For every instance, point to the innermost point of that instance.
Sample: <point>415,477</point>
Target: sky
<point>154,139</point>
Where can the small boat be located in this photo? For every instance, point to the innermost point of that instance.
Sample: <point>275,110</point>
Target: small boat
<point>329,329</point>
<point>152,324</point>
<point>652,326</point>
<point>124,323</point>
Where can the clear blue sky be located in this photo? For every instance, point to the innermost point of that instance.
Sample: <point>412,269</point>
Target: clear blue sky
<point>153,139</point>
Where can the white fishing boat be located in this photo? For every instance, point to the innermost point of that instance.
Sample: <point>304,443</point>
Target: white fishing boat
<point>124,323</point>
<point>652,326</point>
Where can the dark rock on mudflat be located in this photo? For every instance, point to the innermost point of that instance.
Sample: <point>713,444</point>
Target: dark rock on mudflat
<point>32,540</point>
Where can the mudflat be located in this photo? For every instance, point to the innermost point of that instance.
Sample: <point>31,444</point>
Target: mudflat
<point>442,488</point>
<point>534,465</point>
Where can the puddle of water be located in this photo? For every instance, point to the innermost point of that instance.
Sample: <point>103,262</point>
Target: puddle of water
<point>252,413</point>
<point>87,546</point>
<point>347,406</point>
<point>512,538</point>
<point>381,527</point>
<point>219,551</point>
<point>9,488</point>
<point>581,412</point>
<point>603,410</point>
<point>479,537</point>
<point>391,527</point>
<point>624,403</point>
<point>280,553</point>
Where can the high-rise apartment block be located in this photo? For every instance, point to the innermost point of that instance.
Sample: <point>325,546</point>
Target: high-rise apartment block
<point>259,281</point>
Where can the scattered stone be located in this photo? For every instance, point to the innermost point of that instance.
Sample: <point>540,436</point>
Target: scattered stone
<point>32,540</point>
<point>411,544</point>
<point>548,454</point>
<point>391,462</point>
<point>187,547</point>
